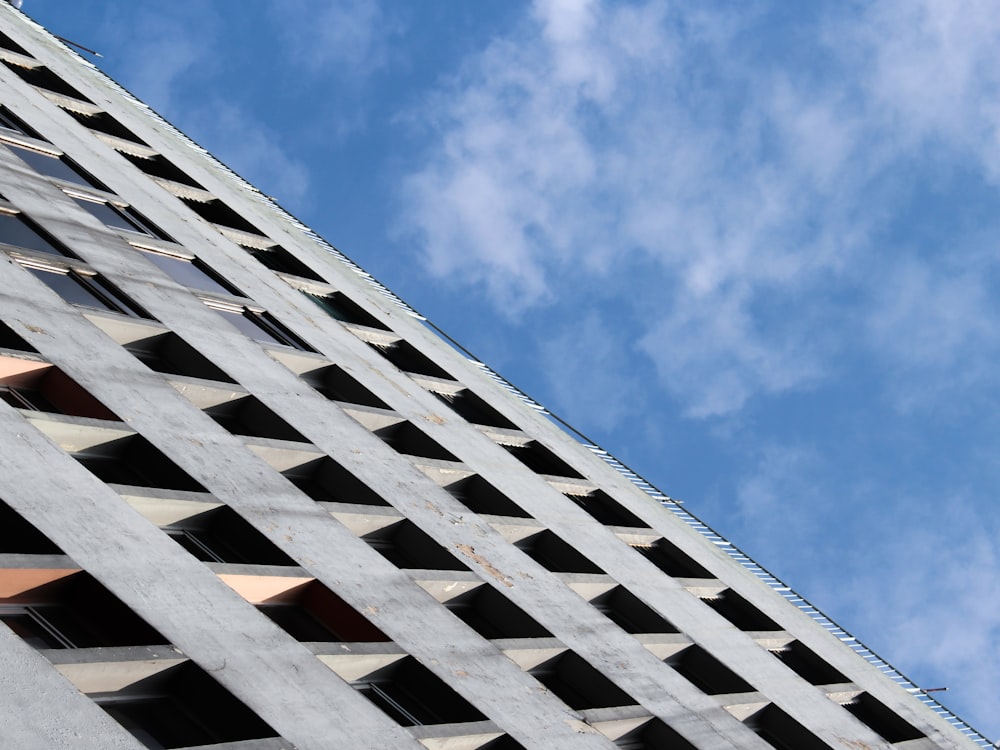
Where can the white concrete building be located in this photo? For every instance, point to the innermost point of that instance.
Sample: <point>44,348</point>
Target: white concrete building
<point>249,499</point>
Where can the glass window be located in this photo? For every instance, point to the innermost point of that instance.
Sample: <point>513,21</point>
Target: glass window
<point>12,122</point>
<point>121,218</point>
<point>55,166</point>
<point>18,231</point>
<point>259,327</point>
<point>84,290</point>
<point>190,273</point>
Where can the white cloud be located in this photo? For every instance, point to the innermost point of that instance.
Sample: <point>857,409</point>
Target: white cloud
<point>599,134</point>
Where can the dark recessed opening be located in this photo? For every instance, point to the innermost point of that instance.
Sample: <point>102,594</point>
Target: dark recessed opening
<point>408,359</point>
<point>11,340</point>
<point>707,673</point>
<point>479,496</point>
<point>473,409</point>
<point>578,684</point>
<point>409,440</point>
<point>630,613</point>
<point>671,560</point>
<point>7,43</point>
<point>653,735</point>
<point>552,553</point>
<point>20,231</point>
<point>217,212</point>
<point>157,166</point>
<point>105,123</point>
<point>223,536</point>
<point>541,460</point>
<point>20,537</point>
<point>40,387</point>
<point>780,730</point>
<point>59,167</point>
<point>74,612</point>
<point>413,696</point>
<point>604,509</point>
<point>740,612</point>
<point>12,122</point>
<point>882,719</point>
<point>317,615</point>
<point>337,385</point>
<point>133,460</point>
<point>406,546</point>
<point>343,308</point>
<point>324,480</point>
<point>182,707</point>
<point>278,259</point>
<point>502,743</point>
<point>493,615</point>
<point>807,665</point>
<point>248,416</point>
<point>44,78</point>
<point>168,353</point>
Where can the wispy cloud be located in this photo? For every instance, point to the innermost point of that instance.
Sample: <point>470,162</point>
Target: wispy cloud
<point>347,39</point>
<point>602,135</point>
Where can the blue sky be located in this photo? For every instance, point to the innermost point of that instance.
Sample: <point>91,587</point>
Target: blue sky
<point>752,249</point>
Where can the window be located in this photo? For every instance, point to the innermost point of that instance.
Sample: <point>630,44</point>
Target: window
<point>39,386</point>
<point>20,537</point>
<point>344,309</point>
<point>740,612</point>
<point>11,340</point>
<point>409,359</point>
<point>42,77</point>
<point>12,122</point>
<point>807,665</point>
<point>604,509</point>
<point>121,218</point>
<point>473,409</point>
<point>102,122</point>
<point>552,553</point>
<point>780,730</point>
<point>157,166</point>
<point>134,461</point>
<point>337,385</point>
<point>630,613</point>
<point>7,43</point>
<point>278,259</point>
<point>479,496</point>
<point>191,273</point>
<point>19,231</point>
<point>261,327</point>
<point>314,614</point>
<point>182,706</point>
<point>492,615</point>
<point>406,546</point>
<point>168,353</point>
<point>324,480</point>
<point>248,416</point>
<point>653,735</point>
<point>578,684</point>
<point>58,167</point>
<point>707,673</point>
<point>217,212</point>
<point>671,560</point>
<point>539,459</point>
<point>413,696</point>
<point>86,291</point>
<point>75,611</point>
<point>882,719</point>
<point>223,536</point>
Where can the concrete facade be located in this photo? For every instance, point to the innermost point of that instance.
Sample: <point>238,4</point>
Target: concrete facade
<point>257,503</point>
